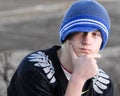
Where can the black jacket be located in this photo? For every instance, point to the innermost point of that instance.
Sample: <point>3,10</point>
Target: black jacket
<point>40,74</point>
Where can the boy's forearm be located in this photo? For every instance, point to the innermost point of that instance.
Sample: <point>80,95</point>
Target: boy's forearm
<point>75,86</point>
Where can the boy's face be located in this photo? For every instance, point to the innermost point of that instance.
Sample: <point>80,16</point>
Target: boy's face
<point>86,42</point>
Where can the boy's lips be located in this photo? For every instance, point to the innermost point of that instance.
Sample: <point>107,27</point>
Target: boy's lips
<point>85,50</point>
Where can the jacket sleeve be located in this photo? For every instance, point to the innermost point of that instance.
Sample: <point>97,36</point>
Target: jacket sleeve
<point>29,83</point>
<point>102,84</point>
<point>109,91</point>
<point>32,83</point>
<point>31,77</point>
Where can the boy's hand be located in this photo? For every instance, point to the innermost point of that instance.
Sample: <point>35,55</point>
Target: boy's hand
<point>84,66</point>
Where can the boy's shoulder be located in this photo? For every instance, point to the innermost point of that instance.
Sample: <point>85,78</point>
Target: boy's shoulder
<point>101,82</point>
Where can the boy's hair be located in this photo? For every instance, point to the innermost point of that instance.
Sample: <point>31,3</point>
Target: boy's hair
<point>69,36</point>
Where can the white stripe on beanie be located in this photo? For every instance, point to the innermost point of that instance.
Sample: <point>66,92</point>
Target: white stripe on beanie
<point>84,22</point>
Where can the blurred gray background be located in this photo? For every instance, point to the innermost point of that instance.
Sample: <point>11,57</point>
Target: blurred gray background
<point>30,25</point>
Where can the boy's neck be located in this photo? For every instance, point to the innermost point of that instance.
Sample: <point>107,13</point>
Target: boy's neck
<point>65,59</point>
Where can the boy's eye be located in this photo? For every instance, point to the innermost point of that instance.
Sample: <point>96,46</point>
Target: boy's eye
<point>97,34</point>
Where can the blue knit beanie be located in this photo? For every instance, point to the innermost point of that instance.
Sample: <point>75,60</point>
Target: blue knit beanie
<point>86,16</point>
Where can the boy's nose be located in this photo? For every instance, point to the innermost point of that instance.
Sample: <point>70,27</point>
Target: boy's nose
<point>86,38</point>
